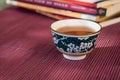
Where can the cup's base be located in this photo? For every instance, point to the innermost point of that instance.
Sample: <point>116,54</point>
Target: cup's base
<point>74,57</point>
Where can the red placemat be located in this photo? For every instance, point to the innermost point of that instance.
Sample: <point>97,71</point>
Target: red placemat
<point>27,51</point>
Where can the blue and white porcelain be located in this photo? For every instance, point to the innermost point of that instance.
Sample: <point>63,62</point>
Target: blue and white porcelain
<point>75,47</point>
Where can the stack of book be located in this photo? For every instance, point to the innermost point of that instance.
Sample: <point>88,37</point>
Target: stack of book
<point>105,12</point>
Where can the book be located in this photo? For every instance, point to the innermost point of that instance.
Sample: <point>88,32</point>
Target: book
<point>99,3</point>
<point>110,22</point>
<point>84,2</point>
<point>90,1</point>
<point>59,12</point>
<point>107,3</point>
<point>51,10</point>
<point>54,16</point>
<point>106,23</point>
<point>112,10</point>
<point>69,6</point>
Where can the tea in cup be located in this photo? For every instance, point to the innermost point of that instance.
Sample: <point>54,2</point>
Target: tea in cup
<point>75,38</point>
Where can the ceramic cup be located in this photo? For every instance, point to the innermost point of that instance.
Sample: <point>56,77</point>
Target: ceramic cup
<point>72,46</point>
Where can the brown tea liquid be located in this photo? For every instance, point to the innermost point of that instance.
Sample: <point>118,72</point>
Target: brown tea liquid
<point>75,30</point>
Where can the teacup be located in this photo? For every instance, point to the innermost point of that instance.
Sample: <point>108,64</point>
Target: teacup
<point>75,38</point>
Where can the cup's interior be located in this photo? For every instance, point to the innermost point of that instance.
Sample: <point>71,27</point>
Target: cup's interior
<point>75,23</point>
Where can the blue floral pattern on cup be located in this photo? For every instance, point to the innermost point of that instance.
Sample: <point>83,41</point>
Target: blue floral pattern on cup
<point>76,44</point>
